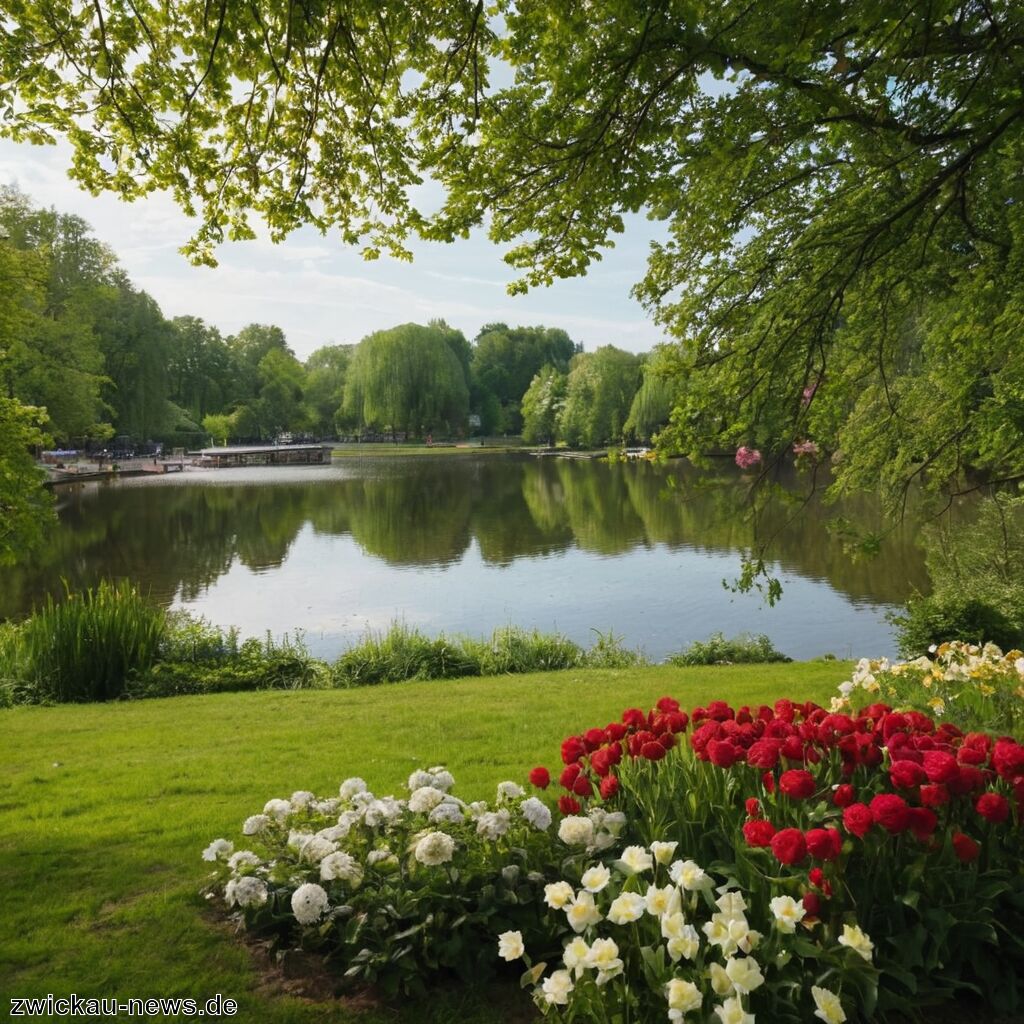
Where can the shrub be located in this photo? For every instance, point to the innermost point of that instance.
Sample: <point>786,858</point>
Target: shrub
<point>608,651</point>
<point>402,653</point>
<point>85,647</point>
<point>929,621</point>
<point>717,650</point>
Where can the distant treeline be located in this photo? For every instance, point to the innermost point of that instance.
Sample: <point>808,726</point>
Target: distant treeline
<point>80,340</point>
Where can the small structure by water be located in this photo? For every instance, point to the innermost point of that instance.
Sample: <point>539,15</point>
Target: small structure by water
<point>270,455</point>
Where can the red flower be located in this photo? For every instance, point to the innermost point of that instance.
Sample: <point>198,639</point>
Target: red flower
<point>594,738</point>
<point>652,750</point>
<point>768,781</point>
<point>753,807</point>
<point>817,878</point>
<point>634,718</point>
<point>844,795</point>
<point>857,820</point>
<point>583,786</point>
<point>889,811</point>
<point>940,766</point>
<point>965,848</point>
<point>921,821</point>
<point>934,795</point>
<point>759,832</point>
<point>615,731</point>
<point>906,774</point>
<point>812,903</point>
<point>763,754</point>
<point>993,807</point>
<point>569,775</point>
<point>824,843</point>
<point>789,846</point>
<point>793,748</point>
<point>609,787</point>
<point>797,784</point>
<point>567,805</point>
<point>723,753</point>
<point>540,777</point>
<point>967,778</point>
<point>573,749</point>
<point>666,704</point>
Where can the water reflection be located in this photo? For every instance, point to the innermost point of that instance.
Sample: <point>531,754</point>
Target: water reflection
<point>179,535</point>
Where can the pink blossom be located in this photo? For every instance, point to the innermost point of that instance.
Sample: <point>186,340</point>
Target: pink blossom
<point>747,457</point>
<point>806,448</point>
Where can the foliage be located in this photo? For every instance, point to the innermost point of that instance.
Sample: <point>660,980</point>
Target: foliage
<point>872,853</point>
<point>25,508</point>
<point>407,378</point>
<point>542,406</point>
<point>978,687</point>
<point>741,650</point>
<point>599,394</point>
<point>927,621</point>
<point>652,404</point>
<point>85,647</point>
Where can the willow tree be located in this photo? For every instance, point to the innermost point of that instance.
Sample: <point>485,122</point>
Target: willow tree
<point>407,379</point>
<point>840,180</point>
<point>599,392</point>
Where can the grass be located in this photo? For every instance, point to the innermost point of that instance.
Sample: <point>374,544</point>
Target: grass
<point>104,810</point>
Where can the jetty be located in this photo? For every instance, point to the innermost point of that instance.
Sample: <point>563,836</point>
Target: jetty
<point>266,455</point>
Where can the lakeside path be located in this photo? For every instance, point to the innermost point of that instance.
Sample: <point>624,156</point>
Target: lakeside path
<point>105,808</point>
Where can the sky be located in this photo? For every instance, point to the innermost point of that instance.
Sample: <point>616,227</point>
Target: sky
<point>320,291</point>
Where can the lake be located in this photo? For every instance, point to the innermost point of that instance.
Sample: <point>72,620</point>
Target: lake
<point>466,543</point>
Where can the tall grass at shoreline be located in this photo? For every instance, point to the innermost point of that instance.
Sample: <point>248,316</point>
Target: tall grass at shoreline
<point>111,643</point>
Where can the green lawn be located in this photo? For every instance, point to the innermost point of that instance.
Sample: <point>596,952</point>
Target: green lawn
<point>104,810</point>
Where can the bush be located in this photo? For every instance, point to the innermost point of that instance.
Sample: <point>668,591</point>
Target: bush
<point>84,648</point>
<point>930,621</point>
<point>716,650</point>
<point>402,653</point>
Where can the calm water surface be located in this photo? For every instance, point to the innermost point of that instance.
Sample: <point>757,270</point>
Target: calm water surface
<point>465,544</point>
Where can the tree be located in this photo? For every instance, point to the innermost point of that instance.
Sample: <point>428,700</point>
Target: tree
<point>407,378</point>
<point>599,392</point>
<point>25,507</point>
<point>200,367</point>
<point>652,404</point>
<point>220,427</point>
<point>325,387</point>
<point>281,382</point>
<point>542,406</point>
<point>840,180</point>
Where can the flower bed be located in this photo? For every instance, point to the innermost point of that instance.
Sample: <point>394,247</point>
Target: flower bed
<point>782,862</point>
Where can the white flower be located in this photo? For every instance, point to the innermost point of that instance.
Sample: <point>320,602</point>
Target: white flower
<point>665,900</point>
<point>575,955</point>
<point>347,819</point>
<point>443,779</point>
<point>557,988</point>
<point>856,940</point>
<point>476,808</point>
<point>329,806</point>
<point>721,983</point>
<point>829,1008</point>
<point>614,822</point>
<point>537,813</point>
<point>363,799</point>
<point>300,798</point>
<point>558,894</point>
<point>636,859</point>
<point>602,841</point>
<point>309,902</point>
<point>297,839</point>
<point>576,831</point>
<point>279,809</point>
<point>494,824</point>
<point>342,866</point>
<point>509,791</point>
<point>446,811</point>
<point>382,856</point>
<point>745,974</point>
<point>419,779</point>
<point>435,848</point>
<point>246,892</point>
<point>243,859</point>
<point>350,787</point>
<point>333,833</point>
<point>663,851</point>
<point>731,904</point>
<point>788,913</point>
<point>626,907</point>
<point>604,958</point>
<point>316,848</point>
<point>255,824</point>
<point>510,945</point>
<point>596,878</point>
<point>685,944</point>
<point>425,799</point>
<point>582,912</point>
<point>219,849</point>
<point>689,875</point>
<point>732,1012</point>
<point>683,996</point>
